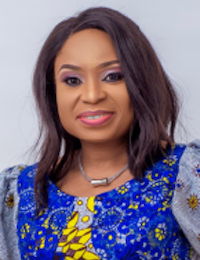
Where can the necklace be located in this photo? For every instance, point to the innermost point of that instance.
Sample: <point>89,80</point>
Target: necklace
<point>100,182</point>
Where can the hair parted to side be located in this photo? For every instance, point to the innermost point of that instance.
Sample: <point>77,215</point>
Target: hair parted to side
<point>151,93</point>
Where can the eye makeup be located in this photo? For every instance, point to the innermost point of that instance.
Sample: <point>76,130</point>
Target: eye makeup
<point>113,71</point>
<point>67,74</point>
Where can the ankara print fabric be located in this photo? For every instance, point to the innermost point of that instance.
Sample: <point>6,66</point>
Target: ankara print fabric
<point>134,221</point>
<point>75,242</point>
<point>39,236</point>
<point>186,200</point>
<point>9,200</point>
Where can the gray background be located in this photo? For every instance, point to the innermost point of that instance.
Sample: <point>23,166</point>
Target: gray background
<point>173,28</point>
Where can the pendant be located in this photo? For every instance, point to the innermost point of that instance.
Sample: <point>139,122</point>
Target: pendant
<point>102,182</point>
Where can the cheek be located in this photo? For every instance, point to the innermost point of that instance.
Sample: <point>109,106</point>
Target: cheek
<point>126,110</point>
<point>124,103</point>
<point>64,107</point>
<point>62,103</point>
<point>128,115</point>
<point>66,119</point>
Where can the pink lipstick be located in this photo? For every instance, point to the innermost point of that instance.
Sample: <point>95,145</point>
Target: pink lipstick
<point>95,118</point>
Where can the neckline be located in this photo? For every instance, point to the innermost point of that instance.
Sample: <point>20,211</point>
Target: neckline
<point>132,182</point>
<point>103,194</point>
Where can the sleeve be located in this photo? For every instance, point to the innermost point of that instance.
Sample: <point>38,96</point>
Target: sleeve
<point>9,200</point>
<point>186,199</point>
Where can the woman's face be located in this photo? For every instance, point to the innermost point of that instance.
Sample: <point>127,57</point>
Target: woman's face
<point>92,98</point>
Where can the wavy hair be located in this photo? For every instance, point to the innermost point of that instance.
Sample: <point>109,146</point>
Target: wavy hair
<point>150,90</point>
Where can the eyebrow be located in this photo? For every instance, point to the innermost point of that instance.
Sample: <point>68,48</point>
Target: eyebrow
<point>101,66</point>
<point>108,63</point>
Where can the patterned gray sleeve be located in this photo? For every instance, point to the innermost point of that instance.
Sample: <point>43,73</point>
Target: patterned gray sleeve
<point>9,200</point>
<point>186,200</point>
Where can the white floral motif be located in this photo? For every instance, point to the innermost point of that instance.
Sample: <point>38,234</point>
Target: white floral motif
<point>102,253</point>
<point>142,222</point>
<point>122,239</point>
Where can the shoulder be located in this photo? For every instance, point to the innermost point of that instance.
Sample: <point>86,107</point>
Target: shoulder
<point>189,168</point>
<point>8,177</point>
<point>186,200</point>
<point>12,172</point>
<point>11,182</point>
<point>191,156</point>
<point>26,178</point>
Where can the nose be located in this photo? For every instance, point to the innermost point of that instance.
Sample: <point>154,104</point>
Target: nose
<point>92,92</point>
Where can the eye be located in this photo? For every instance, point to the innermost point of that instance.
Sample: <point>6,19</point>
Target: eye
<point>72,81</point>
<point>113,77</point>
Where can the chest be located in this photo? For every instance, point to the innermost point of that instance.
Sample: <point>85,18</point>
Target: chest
<point>132,222</point>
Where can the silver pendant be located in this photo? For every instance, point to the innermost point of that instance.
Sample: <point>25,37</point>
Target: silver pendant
<point>102,182</point>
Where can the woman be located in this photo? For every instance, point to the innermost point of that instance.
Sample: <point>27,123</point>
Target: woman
<point>110,182</point>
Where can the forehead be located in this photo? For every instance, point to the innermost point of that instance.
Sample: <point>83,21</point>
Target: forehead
<point>87,47</point>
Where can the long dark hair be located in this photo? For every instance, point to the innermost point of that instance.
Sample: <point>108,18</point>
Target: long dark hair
<point>151,93</point>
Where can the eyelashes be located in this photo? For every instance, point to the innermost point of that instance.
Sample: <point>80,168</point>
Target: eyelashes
<point>113,77</point>
<point>71,79</point>
<point>75,80</point>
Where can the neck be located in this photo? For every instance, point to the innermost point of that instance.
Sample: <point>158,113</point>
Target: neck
<point>101,160</point>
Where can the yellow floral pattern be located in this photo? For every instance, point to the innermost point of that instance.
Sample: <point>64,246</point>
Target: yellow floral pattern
<point>171,160</point>
<point>161,231</point>
<point>122,190</point>
<point>10,201</point>
<point>193,201</point>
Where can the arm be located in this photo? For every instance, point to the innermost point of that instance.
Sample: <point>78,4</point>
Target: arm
<point>186,200</point>
<point>9,200</point>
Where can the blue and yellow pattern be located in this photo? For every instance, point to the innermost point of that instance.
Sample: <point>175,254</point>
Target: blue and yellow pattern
<point>134,221</point>
<point>75,242</point>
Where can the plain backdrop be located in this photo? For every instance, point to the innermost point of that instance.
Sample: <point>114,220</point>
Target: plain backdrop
<point>173,28</point>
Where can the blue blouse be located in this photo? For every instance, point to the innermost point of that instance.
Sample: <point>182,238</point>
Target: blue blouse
<point>133,221</point>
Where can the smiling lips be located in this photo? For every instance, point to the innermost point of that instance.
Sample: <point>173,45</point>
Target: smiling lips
<point>95,118</point>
